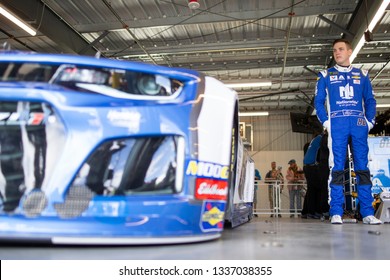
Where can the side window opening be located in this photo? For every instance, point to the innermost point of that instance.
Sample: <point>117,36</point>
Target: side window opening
<point>115,82</point>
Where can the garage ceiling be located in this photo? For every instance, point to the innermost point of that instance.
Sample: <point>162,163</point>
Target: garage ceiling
<point>283,41</point>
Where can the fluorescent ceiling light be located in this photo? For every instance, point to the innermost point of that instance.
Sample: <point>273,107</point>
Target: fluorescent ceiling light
<point>382,105</point>
<point>17,21</point>
<point>252,114</point>
<point>243,85</point>
<point>357,49</point>
<point>378,15</point>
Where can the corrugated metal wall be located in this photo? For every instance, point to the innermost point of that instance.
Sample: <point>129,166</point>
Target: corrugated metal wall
<point>274,133</point>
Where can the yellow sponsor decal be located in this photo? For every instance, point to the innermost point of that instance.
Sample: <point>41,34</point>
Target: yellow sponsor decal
<point>213,216</point>
<point>207,169</point>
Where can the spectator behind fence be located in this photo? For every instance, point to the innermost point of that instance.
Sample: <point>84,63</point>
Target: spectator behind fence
<point>273,177</point>
<point>295,179</point>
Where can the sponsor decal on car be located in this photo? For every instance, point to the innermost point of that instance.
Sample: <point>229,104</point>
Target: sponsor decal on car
<point>207,170</point>
<point>211,189</point>
<point>212,216</point>
<point>14,118</point>
<point>125,118</point>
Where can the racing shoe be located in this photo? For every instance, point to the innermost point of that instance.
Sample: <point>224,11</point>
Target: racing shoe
<point>371,220</point>
<point>336,219</point>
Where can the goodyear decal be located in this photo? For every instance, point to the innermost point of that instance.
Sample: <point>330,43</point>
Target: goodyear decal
<point>207,169</point>
<point>212,216</point>
<point>211,189</point>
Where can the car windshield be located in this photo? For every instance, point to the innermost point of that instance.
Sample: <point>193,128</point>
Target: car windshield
<point>26,72</point>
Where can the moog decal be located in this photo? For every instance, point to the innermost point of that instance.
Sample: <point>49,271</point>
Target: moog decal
<point>207,169</point>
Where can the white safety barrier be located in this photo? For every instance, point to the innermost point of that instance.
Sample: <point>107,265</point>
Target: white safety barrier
<point>280,200</point>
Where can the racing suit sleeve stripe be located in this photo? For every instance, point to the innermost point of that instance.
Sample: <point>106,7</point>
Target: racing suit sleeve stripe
<point>320,97</point>
<point>369,100</point>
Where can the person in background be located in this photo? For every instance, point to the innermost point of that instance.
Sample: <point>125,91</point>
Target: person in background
<point>295,178</point>
<point>257,179</point>
<point>323,165</point>
<point>280,181</point>
<point>273,177</point>
<point>311,203</point>
<point>348,117</point>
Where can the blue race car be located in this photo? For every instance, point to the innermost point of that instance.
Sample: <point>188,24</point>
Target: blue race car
<point>100,151</point>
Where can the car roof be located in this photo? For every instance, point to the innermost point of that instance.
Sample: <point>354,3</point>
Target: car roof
<point>174,73</point>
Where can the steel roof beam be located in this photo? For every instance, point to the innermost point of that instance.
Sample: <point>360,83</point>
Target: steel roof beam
<point>37,14</point>
<point>201,18</point>
<point>335,25</point>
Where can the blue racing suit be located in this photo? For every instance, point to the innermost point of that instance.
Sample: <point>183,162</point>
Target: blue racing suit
<point>348,116</point>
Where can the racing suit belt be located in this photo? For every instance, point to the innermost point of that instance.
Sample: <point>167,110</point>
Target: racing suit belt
<point>346,113</point>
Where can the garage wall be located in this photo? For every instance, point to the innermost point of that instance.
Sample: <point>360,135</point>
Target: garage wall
<point>273,133</point>
<point>263,160</point>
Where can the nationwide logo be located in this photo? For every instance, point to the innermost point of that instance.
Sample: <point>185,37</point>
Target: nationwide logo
<point>211,189</point>
<point>345,103</point>
<point>207,169</point>
<point>346,92</point>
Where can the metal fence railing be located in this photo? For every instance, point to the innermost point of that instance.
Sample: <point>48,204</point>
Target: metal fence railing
<point>280,200</point>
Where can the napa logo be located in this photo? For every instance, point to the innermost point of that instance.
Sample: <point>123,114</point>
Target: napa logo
<point>207,169</point>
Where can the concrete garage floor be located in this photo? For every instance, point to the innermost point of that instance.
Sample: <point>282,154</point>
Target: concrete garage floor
<point>263,238</point>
